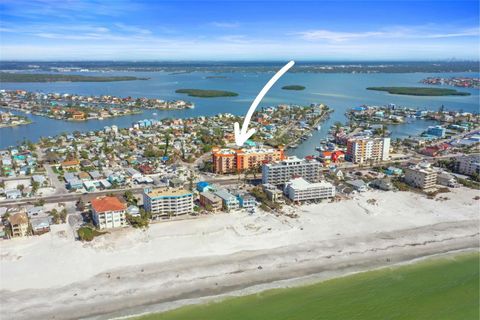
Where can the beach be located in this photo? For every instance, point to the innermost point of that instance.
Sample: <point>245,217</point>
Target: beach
<point>131,271</point>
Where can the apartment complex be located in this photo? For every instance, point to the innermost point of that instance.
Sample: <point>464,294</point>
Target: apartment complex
<point>109,212</point>
<point>279,173</point>
<point>361,150</point>
<point>469,164</point>
<point>299,189</point>
<point>168,201</point>
<point>421,176</point>
<point>238,160</point>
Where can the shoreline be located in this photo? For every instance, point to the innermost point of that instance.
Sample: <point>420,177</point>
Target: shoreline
<point>128,291</point>
<point>306,280</point>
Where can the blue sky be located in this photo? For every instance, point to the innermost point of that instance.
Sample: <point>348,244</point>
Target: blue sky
<point>232,30</point>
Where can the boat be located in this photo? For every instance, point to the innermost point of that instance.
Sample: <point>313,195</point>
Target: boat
<point>319,127</point>
<point>154,113</point>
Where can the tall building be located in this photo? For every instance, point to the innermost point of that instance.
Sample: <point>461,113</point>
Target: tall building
<point>238,160</point>
<point>421,176</point>
<point>109,212</point>
<point>299,189</point>
<point>468,164</point>
<point>361,150</point>
<point>278,173</point>
<point>168,201</point>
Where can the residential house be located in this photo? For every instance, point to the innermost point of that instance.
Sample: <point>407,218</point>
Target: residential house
<point>109,212</point>
<point>19,224</point>
<point>230,202</point>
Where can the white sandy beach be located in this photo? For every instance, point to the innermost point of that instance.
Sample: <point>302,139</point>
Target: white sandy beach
<point>54,277</point>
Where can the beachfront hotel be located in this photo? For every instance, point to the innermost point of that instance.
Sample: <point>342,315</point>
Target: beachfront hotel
<point>109,212</point>
<point>421,176</point>
<point>238,160</point>
<point>168,201</point>
<point>299,190</point>
<point>279,173</point>
<point>361,150</point>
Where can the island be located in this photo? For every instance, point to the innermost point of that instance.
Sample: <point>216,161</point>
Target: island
<point>293,87</point>
<point>45,77</point>
<point>420,91</point>
<point>207,93</point>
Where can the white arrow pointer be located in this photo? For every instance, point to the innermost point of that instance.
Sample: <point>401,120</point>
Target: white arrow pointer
<point>242,136</point>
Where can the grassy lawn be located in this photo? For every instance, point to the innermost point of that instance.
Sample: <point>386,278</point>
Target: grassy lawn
<point>441,288</point>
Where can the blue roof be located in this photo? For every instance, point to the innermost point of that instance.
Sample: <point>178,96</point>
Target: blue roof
<point>202,184</point>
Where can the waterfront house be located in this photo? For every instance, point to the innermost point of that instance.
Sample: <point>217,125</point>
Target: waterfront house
<point>40,225</point>
<point>382,184</point>
<point>109,212</point>
<point>211,201</point>
<point>19,224</point>
<point>133,210</point>
<point>230,202</point>
<point>358,185</point>
<point>246,201</point>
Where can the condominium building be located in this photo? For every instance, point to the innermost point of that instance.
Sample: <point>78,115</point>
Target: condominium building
<point>279,173</point>
<point>361,150</point>
<point>211,201</point>
<point>168,201</point>
<point>238,160</point>
<point>109,212</point>
<point>468,164</point>
<point>421,176</point>
<point>299,189</point>
<point>19,224</point>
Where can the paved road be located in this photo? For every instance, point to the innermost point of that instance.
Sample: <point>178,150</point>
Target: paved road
<point>219,180</point>
<point>53,177</point>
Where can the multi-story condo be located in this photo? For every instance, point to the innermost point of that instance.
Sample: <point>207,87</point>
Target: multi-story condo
<point>360,150</point>
<point>279,173</point>
<point>109,212</point>
<point>19,224</point>
<point>299,190</point>
<point>168,201</point>
<point>230,202</point>
<point>468,164</point>
<point>238,160</point>
<point>211,201</point>
<point>421,176</point>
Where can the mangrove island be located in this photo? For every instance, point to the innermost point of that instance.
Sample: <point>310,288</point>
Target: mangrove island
<point>207,93</point>
<point>293,87</point>
<point>420,91</point>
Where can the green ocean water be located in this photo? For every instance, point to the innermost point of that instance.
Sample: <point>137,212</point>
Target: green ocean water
<point>437,288</point>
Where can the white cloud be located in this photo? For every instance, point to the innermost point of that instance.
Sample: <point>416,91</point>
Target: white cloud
<point>420,32</point>
<point>224,24</point>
